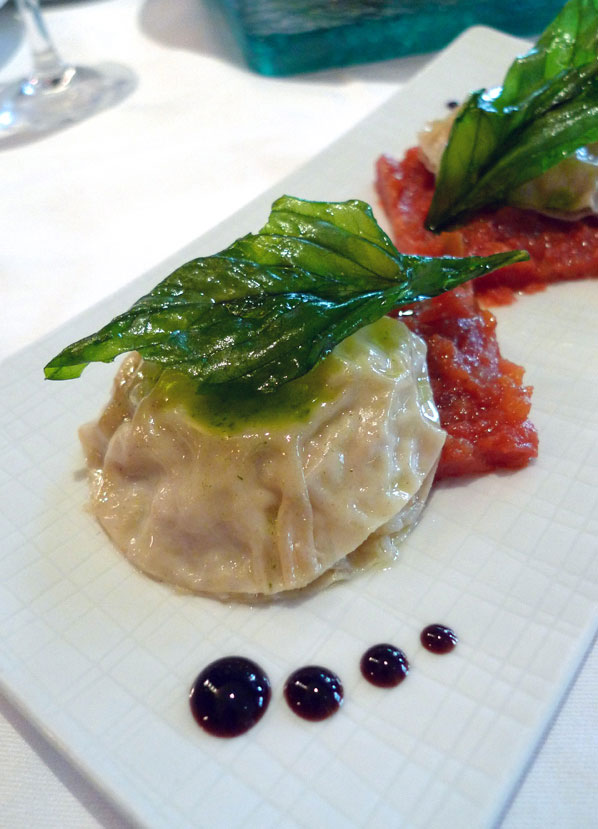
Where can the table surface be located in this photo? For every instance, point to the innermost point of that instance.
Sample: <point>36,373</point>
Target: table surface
<point>95,205</point>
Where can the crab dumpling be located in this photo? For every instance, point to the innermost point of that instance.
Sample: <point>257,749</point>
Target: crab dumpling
<point>568,190</point>
<point>259,494</point>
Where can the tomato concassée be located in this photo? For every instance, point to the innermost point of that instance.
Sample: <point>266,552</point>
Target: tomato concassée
<point>480,395</point>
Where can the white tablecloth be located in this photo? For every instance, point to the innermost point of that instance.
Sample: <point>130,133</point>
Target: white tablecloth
<point>91,207</point>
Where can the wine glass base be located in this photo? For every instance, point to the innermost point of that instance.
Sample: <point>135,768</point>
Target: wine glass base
<point>38,105</point>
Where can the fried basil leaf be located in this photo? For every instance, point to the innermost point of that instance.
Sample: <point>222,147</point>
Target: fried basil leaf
<point>266,309</point>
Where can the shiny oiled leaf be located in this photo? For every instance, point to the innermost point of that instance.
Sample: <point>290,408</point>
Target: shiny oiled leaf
<point>545,110</point>
<point>266,309</point>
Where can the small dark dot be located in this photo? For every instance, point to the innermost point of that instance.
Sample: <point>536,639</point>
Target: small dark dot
<point>230,696</point>
<point>438,638</point>
<point>313,692</point>
<point>452,104</point>
<point>384,665</point>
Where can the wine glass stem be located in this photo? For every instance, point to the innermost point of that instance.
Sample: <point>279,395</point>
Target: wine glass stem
<point>48,68</point>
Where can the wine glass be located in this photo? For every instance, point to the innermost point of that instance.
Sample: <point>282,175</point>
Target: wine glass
<point>55,93</point>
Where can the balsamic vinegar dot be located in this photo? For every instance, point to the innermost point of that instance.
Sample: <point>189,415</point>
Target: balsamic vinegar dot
<point>384,665</point>
<point>230,696</point>
<point>438,638</point>
<point>314,693</point>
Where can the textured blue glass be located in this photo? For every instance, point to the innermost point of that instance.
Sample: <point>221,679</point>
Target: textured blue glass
<point>283,37</point>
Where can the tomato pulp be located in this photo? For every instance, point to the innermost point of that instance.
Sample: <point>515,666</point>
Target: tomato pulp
<point>482,403</point>
<point>480,396</point>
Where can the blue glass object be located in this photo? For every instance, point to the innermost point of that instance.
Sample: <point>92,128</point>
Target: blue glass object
<point>284,37</point>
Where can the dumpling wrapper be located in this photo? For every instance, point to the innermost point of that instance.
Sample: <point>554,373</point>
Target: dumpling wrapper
<point>241,503</point>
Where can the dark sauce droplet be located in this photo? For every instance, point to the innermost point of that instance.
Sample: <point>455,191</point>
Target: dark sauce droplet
<point>452,104</point>
<point>313,693</point>
<point>438,638</point>
<point>384,665</point>
<point>230,696</point>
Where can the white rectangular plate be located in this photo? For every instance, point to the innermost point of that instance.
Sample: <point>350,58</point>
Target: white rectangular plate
<point>101,658</point>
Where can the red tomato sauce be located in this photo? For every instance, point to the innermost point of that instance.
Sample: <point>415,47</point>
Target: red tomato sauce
<point>482,402</point>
